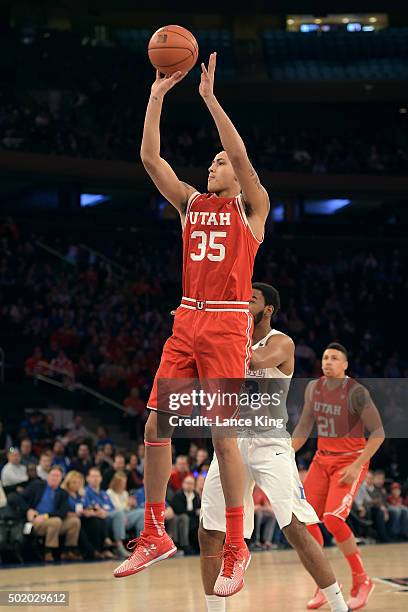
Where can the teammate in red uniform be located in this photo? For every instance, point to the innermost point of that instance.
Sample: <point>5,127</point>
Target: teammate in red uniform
<point>212,330</point>
<point>343,410</point>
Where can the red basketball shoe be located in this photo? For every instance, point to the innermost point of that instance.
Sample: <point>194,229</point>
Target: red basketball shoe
<point>318,600</point>
<point>360,594</point>
<point>148,549</point>
<point>231,577</point>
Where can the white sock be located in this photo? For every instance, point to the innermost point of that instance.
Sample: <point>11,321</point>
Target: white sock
<point>216,604</point>
<point>335,598</point>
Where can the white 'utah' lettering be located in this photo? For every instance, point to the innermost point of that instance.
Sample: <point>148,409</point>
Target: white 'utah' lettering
<point>210,218</point>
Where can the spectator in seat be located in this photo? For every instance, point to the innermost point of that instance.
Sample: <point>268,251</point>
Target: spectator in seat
<point>121,500</point>
<point>192,453</point>
<point>135,480</point>
<point>102,437</point>
<point>140,452</point>
<point>32,472</point>
<point>119,465</point>
<point>199,485</point>
<point>97,499</point>
<point>108,456</point>
<point>186,504</point>
<point>36,364</point>
<point>94,530</point>
<point>49,431</point>
<point>378,506</point>
<point>201,460</point>
<point>14,475</point>
<point>134,413</point>
<point>61,367</point>
<point>46,507</point>
<point>264,518</point>
<point>3,498</point>
<point>77,432</point>
<point>60,457</point>
<point>398,513</point>
<point>83,461</point>
<point>26,450</point>
<point>33,426</point>
<point>362,500</point>
<point>179,472</point>
<point>44,466</point>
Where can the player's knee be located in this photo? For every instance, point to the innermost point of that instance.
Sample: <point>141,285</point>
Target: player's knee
<point>151,433</point>
<point>337,527</point>
<point>295,531</point>
<point>210,541</point>
<point>224,447</point>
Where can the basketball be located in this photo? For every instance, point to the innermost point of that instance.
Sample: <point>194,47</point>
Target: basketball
<point>173,48</point>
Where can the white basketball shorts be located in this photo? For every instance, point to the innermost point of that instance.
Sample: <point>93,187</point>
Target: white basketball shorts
<point>269,463</point>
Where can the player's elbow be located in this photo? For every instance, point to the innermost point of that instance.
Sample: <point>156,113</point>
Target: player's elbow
<point>147,159</point>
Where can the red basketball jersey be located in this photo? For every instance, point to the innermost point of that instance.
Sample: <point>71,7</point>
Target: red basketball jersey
<point>219,250</point>
<point>339,429</point>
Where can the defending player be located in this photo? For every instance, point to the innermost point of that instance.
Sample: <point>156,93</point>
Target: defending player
<point>269,462</point>
<point>212,330</point>
<point>343,410</point>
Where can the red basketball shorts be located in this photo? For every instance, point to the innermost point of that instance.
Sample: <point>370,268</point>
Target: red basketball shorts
<point>323,489</point>
<point>211,344</point>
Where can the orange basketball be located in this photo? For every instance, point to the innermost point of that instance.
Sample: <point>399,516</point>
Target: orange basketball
<point>173,48</point>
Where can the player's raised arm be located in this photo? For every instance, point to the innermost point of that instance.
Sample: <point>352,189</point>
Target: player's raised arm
<point>161,173</point>
<point>254,193</point>
<point>304,427</point>
<point>274,354</point>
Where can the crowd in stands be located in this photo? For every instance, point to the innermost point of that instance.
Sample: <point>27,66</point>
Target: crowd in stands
<point>83,126</point>
<point>84,499</point>
<point>81,324</point>
<point>82,97</point>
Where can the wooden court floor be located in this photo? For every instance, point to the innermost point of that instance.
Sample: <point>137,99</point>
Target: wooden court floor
<point>276,581</point>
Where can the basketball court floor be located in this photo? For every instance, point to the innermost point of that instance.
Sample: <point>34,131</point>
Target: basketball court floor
<point>275,581</point>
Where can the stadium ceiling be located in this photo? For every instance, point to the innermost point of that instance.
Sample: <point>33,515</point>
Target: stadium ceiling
<point>318,7</point>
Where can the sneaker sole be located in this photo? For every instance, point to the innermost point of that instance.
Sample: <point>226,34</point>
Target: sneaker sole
<point>240,587</point>
<point>366,601</point>
<point>166,555</point>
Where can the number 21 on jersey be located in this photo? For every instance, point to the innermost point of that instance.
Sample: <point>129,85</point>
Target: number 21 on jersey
<point>326,427</point>
<point>208,246</point>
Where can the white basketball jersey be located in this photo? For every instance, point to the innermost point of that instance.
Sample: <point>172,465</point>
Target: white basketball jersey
<point>267,372</point>
<point>272,383</point>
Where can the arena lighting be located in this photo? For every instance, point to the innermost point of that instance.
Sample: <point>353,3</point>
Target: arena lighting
<point>403,111</point>
<point>354,27</point>
<point>290,21</point>
<point>373,20</point>
<point>92,199</point>
<point>325,207</point>
<point>278,213</point>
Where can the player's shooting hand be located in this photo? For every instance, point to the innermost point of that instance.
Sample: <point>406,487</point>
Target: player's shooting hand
<point>206,88</point>
<point>349,474</point>
<point>163,84</point>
